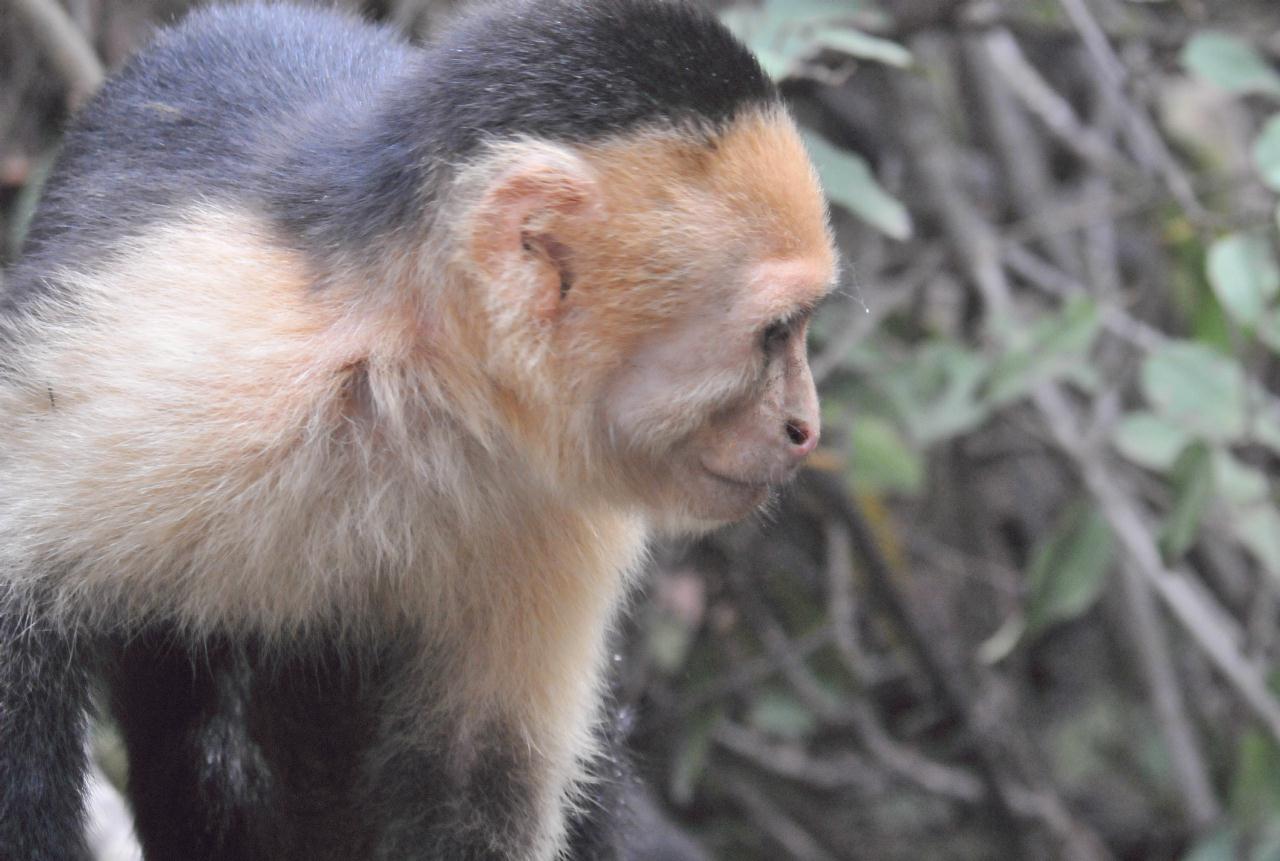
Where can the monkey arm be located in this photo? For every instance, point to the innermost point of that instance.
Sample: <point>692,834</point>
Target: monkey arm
<point>44,694</point>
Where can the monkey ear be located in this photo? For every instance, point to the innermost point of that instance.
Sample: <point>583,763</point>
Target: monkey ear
<point>524,234</point>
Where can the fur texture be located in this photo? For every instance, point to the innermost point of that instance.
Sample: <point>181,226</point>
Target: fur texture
<point>337,470</point>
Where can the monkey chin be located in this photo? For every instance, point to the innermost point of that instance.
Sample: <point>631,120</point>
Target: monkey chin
<point>709,501</point>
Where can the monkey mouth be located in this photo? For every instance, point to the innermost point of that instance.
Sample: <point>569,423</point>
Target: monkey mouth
<point>743,485</point>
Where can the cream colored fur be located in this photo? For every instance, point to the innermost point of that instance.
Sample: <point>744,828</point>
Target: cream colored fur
<point>184,438</point>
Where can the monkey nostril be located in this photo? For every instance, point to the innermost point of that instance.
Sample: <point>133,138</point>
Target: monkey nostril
<point>798,432</point>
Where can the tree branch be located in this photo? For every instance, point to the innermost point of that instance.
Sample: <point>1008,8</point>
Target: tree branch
<point>65,45</point>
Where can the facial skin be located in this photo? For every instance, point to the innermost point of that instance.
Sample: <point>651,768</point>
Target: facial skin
<point>758,442</point>
<point>742,373</point>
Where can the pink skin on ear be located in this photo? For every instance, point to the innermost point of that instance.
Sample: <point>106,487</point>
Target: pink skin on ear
<point>519,227</point>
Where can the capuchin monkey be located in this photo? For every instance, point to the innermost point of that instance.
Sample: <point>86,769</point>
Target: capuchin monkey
<point>341,386</point>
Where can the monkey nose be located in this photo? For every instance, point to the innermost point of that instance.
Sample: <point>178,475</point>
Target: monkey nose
<point>802,436</point>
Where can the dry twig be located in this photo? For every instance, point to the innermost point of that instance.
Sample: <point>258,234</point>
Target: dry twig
<point>790,835</point>
<point>66,46</point>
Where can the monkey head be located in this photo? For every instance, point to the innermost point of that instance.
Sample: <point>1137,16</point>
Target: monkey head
<point>646,300</point>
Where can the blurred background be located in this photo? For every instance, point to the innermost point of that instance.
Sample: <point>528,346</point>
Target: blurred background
<point>1026,602</point>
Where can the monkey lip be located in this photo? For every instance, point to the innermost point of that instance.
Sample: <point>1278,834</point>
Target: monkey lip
<point>740,484</point>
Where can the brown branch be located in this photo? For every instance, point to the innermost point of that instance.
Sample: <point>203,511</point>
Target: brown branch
<point>842,606</point>
<point>790,835</point>
<point>1020,149</point>
<point>1216,633</point>
<point>1141,133</point>
<point>820,700</point>
<point>1156,662</point>
<point>842,771</point>
<point>966,229</point>
<point>65,46</point>
<point>751,673</point>
<point>978,251</point>
<point>1017,802</point>
<point>1054,111</point>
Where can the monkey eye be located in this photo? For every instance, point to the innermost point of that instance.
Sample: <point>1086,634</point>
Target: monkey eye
<point>774,335</point>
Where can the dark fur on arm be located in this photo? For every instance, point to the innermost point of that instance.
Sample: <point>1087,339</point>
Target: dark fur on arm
<point>44,693</point>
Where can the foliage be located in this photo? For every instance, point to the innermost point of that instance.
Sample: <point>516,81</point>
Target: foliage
<point>1064,393</point>
<point>1027,601</point>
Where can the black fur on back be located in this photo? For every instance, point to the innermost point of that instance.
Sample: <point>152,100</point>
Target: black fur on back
<point>339,132</point>
<point>213,111</point>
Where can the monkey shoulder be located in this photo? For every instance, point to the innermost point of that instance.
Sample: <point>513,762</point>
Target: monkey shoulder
<point>210,112</point>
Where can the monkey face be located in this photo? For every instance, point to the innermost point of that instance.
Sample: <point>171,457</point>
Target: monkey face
<point>721,409</point>
<point>758,440</point>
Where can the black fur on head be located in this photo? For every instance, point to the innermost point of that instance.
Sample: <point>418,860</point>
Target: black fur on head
<point>582,69</point>
<point>565,70</point>
<point>341,133</point>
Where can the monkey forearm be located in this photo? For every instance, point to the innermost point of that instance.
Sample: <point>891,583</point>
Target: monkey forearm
<point>43,699</point>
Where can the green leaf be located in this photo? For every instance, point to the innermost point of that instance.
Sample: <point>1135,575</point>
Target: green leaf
<point>110,753</point>
<point>848,181</point>
<point>1190,289</point>
<point>1239,484</point>
<point>1069,569</point>
<point>1218,845</point>
<point>1193,488</point>
<point>998,646</point>
<point>1265,431</point>
<point>864,46</point>
<point>778,65</point>
<point>1266,152</point>
<point>1254,519</point>
<point>1267,329</point>
<point>1244,275</point>
<point>1255,785</point>
<point>28,199</point>
<point>1149,440</point>
<point>882,460</point>
<point>1266,846</point>
<point>1258,529</point>
<point>782,32</point>
<point>1197,389</point>
<point>775,42</point>
<point>811,13</point>
<point>1229,63</point>
<point>690,757</point>
<point>667,641</point>
<point>1054,346</point>
<point>781,715</point>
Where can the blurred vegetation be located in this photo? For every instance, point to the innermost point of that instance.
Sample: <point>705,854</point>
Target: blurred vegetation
<point>1026,603</point>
